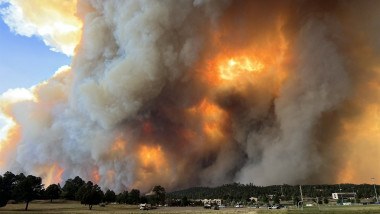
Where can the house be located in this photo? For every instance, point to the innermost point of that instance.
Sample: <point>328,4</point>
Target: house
<point>344,195</point>
<point>253,199</point>
<point>212,201</point>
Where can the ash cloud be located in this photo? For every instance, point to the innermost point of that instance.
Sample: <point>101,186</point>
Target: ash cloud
<point>143,102</point>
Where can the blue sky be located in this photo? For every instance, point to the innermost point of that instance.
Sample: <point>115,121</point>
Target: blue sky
<point>25,61</point>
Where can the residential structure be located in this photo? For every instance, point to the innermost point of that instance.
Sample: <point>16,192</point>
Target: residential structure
<point>253,198</point>
<point>212,201</point>
<point>344,195</point>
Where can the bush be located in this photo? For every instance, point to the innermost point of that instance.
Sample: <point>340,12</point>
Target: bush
<point>325,201</point>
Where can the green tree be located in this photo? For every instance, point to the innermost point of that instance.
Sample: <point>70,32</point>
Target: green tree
<point>320,201</point>
<point>143,200</point>
<point>276,199</point>
<point>90,194</point>
<point>6,187</point>
<point>109,196</point>
<point>265,199</point>
<point>71,187</point>
<point>81,192</point>
<point>28,189</point>
<point>53,192</point>
<point>296,200</point>
<point>184,201</point>
<point>122,198</point>
<point>159,194</point>
<point>134,196</point>
<point>5,195</point>
<point>325,200</point>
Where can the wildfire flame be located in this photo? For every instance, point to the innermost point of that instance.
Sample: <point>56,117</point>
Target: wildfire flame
<point>213,119</point>
<point>152,158</point>
<point>95,175</point>
<point>198,93</point>
<point>54,174</point>
<point>239,66</point>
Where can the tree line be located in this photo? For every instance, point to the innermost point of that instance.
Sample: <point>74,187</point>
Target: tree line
<point>21,188</point>
<point>242,192</point>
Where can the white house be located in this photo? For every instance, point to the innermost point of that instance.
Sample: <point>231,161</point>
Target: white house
<point>212,201</point>
<point>339,195</point>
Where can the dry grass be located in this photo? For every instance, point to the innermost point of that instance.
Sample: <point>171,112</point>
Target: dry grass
<point>66,207</point>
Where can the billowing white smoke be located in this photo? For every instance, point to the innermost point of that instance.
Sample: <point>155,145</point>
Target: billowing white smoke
<point>316,85</point>
<point>129,51</point>
<point>139,105</point>
<point>53,20</point>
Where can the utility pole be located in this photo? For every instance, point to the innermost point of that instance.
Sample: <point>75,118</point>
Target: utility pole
<point>301,196</point>
<point>282,194</point>
<point>341,195</point>
<point>318,203</point>
<point>374,186</point>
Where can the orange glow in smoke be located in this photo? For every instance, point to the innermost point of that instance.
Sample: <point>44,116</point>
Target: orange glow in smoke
<point>110,175</point>
<point>213,119</point>
<point>152,157</point>
<point>119,145</point>
<point>95,175</point>
<point>147,128</point>
<point>8,146</point>
<point>361,136</point>
<point>238,66</point>
<point>58,177</point>
<point>346,175</point>
<point>56,20</point>
<point>52,174</point>
<point>153,162</point>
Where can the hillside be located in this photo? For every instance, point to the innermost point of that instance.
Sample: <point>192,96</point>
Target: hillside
<point>238,191</point>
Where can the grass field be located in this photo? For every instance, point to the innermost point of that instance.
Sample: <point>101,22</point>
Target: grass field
<point>66,207</point>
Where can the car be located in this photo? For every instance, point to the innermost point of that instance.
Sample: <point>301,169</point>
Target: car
<point>274,207</point>
<point>144,206</point>
<point>207,206</point>
<point>222,206</point>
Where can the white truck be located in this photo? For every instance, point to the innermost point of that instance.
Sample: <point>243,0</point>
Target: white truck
<point>145,206</point>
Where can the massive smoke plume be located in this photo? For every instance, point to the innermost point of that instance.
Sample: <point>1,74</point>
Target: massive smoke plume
<point>184,93</point>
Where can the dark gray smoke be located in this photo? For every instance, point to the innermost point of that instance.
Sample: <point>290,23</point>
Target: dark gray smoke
<point>184,93</point>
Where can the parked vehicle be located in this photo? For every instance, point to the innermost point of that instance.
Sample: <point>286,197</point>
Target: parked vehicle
<point>207,206</point>
<point>144,206</point>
